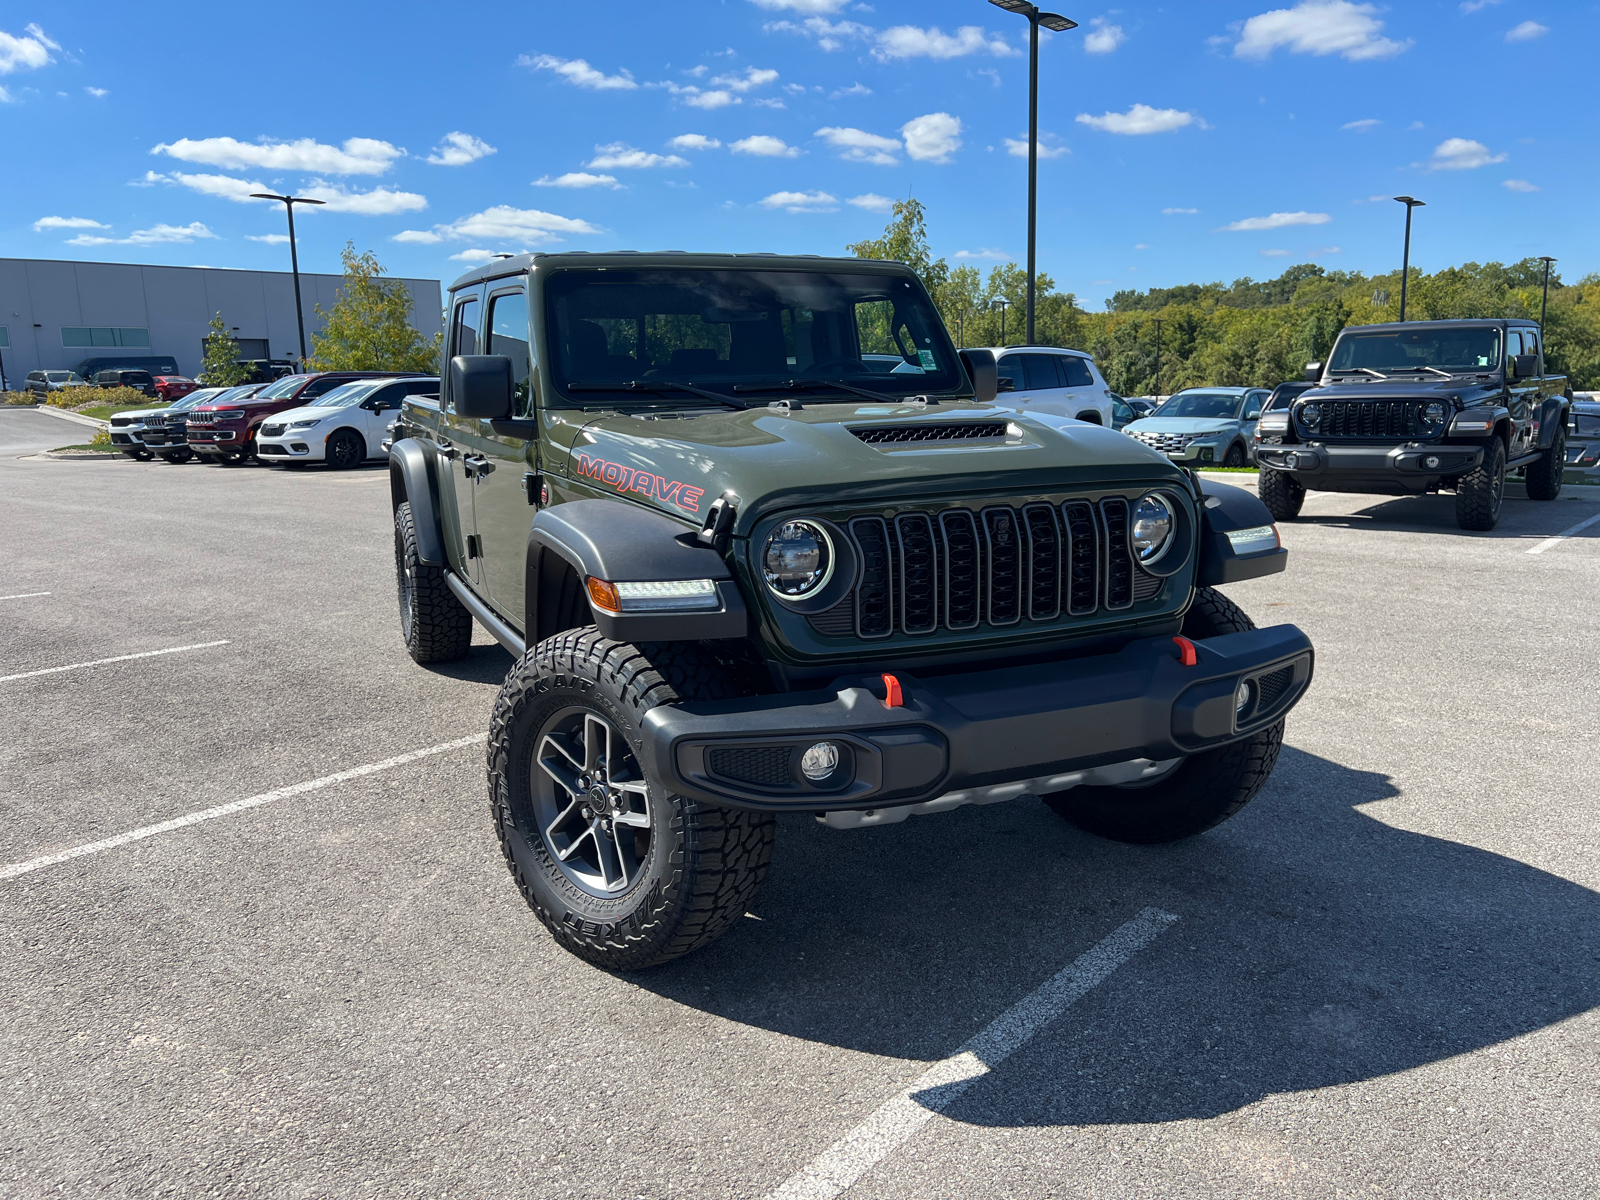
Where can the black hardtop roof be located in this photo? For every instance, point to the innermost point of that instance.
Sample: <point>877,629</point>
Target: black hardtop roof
<point>521,264</point>
<point>1476,322</point>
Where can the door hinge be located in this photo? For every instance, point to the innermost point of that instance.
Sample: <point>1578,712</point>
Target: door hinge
<point>474,546</point>
<point>533,485</point>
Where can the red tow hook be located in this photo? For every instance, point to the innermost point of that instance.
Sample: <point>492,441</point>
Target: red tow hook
<point>1187,654</point>
<point>892,697</point>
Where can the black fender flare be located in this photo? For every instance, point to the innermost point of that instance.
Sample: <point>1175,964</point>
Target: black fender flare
<point>621,542</point>
<point>410,481</point>
<point>1225,509</point>
<point>1554,414</point>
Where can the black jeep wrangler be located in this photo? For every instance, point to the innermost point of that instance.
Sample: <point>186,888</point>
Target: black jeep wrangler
<point>1425,406</point>
<point>746,571</point>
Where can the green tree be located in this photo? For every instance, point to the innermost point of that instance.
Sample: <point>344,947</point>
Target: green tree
<point>369,327</point>
<point>222,367</point>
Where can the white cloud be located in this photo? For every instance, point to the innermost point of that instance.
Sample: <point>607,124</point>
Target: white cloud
<point>476,256</point>
<point>1472,6</point>
<point>1462,154</point>
<point>932,138</point>
<point>1274,254</point>
<point>1328,250</point>
<point>578,72</point>
<point>855,89</point>
<point>1139,119</point>
<point>751,79</point>
<point>1141,246</point>
<point>871,202</point>
<point>577,179</point>
<point>770,102</point>
<point>225,187</point>
<point>802,202</point>
<point>694,141</point>
<point>999,255</point>
<point>1168,212</point>
<point>358,156</point>
<point>270,239</point>
<point>621,156</point>
<point>763,145</point>
<point>707,101</point>
<point>6,97</point>
<point>154,236</point>
<point>523,226</point>
<point>459,149</point>
<point>379,202</point>
<point>1528,31</point>
<point>97,93</point>
<point>44,223</point>
<point>801,6</point>
<point>1318,27</point>
<point>1361,126</point>
<point>1278,221</point>
<point>1515,185</point>
<point>909,41</point>
<point>1103,37</point>
<point>857,145</point>
<point>1018,148</point>
<point>830,35</point>
<point>26,53</point>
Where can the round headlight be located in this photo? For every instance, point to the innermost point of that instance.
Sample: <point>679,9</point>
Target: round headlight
<point>1433,414</point>
<point>797,559</point>
<point>1311,414</point>
<point>1151,528</point>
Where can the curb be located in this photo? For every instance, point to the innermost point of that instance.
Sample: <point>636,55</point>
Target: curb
<point>76,418</point>
<point>53,456</point>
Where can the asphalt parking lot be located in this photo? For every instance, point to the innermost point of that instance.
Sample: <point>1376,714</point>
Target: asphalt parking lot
<point>1382,978</point>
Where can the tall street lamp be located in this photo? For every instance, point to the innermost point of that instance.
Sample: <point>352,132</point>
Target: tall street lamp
<point>1544,299</point>
<point>1405,260</point>
<point>1059,24</point>
<point>294,259</point>
<point>1002,304</point>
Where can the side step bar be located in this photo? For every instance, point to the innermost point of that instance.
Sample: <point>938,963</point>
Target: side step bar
<point>485,615</point>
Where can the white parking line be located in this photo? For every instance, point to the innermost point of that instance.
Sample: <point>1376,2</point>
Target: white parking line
<point>119,658</point>
<point>223,810</point>
<point>24,595</point>
<point>1563,535</point>
<point>892,1125</point>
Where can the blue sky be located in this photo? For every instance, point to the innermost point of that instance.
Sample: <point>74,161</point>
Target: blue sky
<point>1182,143</point>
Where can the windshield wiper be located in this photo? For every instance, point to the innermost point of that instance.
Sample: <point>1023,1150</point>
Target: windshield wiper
<point>655,385</point>
<point>1356,370</point>
<point>800,385</point>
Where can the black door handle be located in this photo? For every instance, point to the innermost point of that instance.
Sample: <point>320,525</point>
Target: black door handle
<point>476,464</point>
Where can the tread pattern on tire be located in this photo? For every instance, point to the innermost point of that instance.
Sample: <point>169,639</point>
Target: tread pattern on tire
<point>1475,507</point>
<point>1544,477</point>
<point>1281,493</point>
<point>441,626</point>
<point>723,854</point>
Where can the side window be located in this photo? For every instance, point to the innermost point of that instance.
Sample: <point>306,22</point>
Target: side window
<point>508,335</point>
<point>1252,405</point>
<point>1076,371</point>
<point>1041,371</point>
<point>1513,343</point>
<point>1530,344</point>
<point>1010,367</point>
<point>386,398</point>
<point>1120,410</point>
<point>464,329</point>
<point>318,386</point>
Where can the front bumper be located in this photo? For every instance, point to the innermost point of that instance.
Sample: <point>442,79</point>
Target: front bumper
<point>1040,725</point>
<point>1407,467</point>
<point>293,445</point>
<point>211,440</point>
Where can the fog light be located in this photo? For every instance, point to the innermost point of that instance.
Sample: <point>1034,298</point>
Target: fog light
<point>1242,698</point>
<point>1291,460</point>
<point>820,761</point>
<point>1431,462</point>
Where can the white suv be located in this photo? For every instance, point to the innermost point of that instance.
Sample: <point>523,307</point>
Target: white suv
<point>1054,382</point>
<point>343,428</point>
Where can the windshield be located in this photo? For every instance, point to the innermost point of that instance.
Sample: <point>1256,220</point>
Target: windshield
<point>717,329</point>
<point>1586,425</point>
<point>283,388</point>
<point>243,392</point>
<point>348,394</point>
<point>59,376</point>
<point>195,399</point>
<point>1447,349</point>
<point>1223,405</point>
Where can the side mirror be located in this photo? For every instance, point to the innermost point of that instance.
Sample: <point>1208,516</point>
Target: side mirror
<point>1253,413</point>
<point>983,373</point>
<point>1524,366</point>
<point>480,386</point>
<point>1314,372</point>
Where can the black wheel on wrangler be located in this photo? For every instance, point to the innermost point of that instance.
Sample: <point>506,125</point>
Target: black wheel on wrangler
<point>1482,490</point>
<point>436,626</point>
<point>1195,793</point>
<point>622,873</point>
<point>1544,476</point>
<point>1281,492</point>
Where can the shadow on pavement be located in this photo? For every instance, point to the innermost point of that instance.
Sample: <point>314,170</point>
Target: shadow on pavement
<point>483,664</point>
<point>1437,514</point>
<point>1317,946</point>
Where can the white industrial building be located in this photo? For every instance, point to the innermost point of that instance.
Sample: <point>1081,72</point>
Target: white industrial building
<point>54,315</point>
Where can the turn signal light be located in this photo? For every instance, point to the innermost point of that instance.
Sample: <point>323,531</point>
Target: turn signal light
<point>604,596</point>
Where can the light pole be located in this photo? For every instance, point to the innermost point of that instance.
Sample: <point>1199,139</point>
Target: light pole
<point>1544,299</point>
<point>1059,24</point>
<point>1158,322</point>
<point>1405,259</point>
<point>294,260</point>
<point>1002,304</point>
<point>961,339</point>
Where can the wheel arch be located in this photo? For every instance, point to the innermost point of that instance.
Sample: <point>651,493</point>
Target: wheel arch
<point>411,481</point>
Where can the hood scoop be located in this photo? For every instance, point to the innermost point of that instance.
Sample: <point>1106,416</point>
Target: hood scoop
<point>931,433</point>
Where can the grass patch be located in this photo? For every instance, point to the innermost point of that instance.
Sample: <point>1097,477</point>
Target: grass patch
<point>104,411</point>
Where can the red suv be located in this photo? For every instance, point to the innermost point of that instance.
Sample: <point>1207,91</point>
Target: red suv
<point>226,433</point>
<point>174,387</point>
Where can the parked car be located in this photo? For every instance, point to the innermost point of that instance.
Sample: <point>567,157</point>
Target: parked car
<point>163,431</point>
<point>127,432</point>
<point>1144,405</point>
<point>344,428</point>
<point>42,383</point>
<point>1051,381</point>
<point>174,387</point>
<point>1122,413</point>
<point>1282,397</point>
<point>123,378</point>
<point>225,431</point>
<point>1583,432</point>
<point>155,364</point>
<point>1204,425</point>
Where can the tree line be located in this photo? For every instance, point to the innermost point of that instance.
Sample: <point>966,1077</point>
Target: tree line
<point>1241,334</point>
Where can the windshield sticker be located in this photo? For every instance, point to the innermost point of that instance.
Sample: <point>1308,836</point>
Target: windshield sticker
<point>626,479</point>
<point>926,356</point>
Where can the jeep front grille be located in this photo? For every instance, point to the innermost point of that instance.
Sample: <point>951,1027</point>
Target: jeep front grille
<point>1167,443</point>
<point>997,566</point>
<point>1372,419</point>
<point>943,431</point>
<point>202,418</point>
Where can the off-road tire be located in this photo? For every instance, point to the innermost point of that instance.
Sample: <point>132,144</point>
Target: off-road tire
<point>1205,789</point>
<point>704,863</point>
<point>435,625</point>
<point>1543,478</point>
<point>346,449</point>
<point>1281,492</point>
<point>1480,493</point>
<point>178,457</point>
<point>1234,457</point>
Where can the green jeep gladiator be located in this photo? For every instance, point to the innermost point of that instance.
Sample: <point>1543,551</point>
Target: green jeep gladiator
<point>761,542</point>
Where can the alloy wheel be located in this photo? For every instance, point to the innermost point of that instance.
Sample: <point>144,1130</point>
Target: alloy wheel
<point>591,802</point>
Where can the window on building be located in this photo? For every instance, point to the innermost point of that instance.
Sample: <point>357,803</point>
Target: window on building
<point>5,338</point>
<point>98,335</point>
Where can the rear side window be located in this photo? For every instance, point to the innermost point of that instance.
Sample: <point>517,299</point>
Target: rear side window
<point>1075,371</point>
<point>1010,367</point>
<point>1041,371</point>
<point>317,387</point>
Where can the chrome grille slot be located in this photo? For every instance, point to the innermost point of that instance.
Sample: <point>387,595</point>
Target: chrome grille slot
<point>1083,559</point>
<point>1004,547</point>
<point>1044,562</point>
<point>962,570</point>
<point>919,573</point>
<point>1119,563</point>
<point>875,592</point>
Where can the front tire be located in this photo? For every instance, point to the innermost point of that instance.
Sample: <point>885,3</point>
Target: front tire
<point>346,449</point>
<point>1544,477</point>
<point>178,457</point>
<point>1204,789</point>
<point>435,625</point>
<point>622,873</point>
<point>1482,490</point>
<point>1234,457</point>
<point>1281,492</point>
